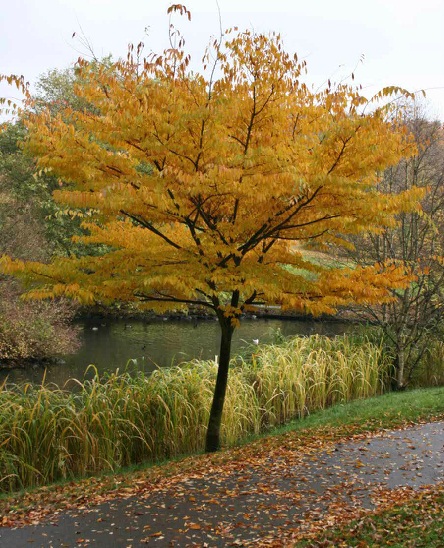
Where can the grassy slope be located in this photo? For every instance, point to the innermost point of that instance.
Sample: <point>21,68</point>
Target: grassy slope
<point>336,423</point>
<point>386,411</point>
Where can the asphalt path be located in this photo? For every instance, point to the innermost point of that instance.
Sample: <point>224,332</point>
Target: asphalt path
<point>263,503</point>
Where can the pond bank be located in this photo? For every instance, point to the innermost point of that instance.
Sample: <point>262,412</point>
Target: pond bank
<point>271,312</point>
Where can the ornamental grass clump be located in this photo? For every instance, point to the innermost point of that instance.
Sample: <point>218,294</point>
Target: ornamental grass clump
<point>309,373</point>
<point>48,433</point>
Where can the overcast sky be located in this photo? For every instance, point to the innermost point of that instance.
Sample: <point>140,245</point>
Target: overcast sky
<point>402,41</point>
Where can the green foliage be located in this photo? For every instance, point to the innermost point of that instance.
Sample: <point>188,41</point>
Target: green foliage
<point>47,433</point>
<point>27,192</point>
<point>30,229</point>
<point>27,209</point>
<point>56,88</point>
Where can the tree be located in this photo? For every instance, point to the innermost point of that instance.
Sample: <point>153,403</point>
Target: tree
<point>31,222</point>
<point>29,330</point>
<point>201,186</point>
<point>416,241</point>
<point>34,227</point>
<point>28,210</point>
<point>55,88</point>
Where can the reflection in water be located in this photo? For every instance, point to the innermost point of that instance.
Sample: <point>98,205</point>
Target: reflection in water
<point>111,344</point>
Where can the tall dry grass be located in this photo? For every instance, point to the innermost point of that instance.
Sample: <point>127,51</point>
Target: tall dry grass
<point>47,433</point>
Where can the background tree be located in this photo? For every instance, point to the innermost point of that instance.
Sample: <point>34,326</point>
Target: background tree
<point>29,330</point>
<point>413,317</point>
<point>32,224</point>
<point>33,227</point>
<point>201,186</point>
<point>55,88</point>
<point>28,210</point>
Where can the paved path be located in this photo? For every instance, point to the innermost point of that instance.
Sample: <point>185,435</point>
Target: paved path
<point>258,502</point>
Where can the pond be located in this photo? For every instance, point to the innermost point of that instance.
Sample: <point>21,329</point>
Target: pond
<point>111,344</point>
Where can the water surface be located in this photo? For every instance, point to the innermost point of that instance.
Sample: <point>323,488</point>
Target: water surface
<point>111,344</point>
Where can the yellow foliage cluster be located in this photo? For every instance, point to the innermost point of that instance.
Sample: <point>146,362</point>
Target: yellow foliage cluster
<point>199,186</point>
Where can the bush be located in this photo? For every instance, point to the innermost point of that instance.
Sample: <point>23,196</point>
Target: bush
<point>430,370</point>
<point>34,330</point>
<point>426,365</point>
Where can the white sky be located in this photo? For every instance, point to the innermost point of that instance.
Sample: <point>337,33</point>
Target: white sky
<point>402,40</point>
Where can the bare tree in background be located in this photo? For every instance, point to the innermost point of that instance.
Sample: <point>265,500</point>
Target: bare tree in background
<point>417,241</point>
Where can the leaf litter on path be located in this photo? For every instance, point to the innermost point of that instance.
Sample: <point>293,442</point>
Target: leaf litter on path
<point>268,493</point>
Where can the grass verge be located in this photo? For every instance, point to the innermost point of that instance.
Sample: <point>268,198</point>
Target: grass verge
<point>414,524</point>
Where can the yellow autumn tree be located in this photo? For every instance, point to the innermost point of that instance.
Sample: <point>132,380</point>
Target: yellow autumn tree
<point>203,186</point>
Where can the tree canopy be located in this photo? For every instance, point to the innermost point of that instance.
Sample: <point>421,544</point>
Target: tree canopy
<point>206,186</point>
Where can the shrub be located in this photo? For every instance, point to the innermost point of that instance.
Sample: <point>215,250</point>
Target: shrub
<point>34,330</point>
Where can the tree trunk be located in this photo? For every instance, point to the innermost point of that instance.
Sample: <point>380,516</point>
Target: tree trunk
<point>400,362</point>
<point>213,433</point>
<point>400,385</point>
